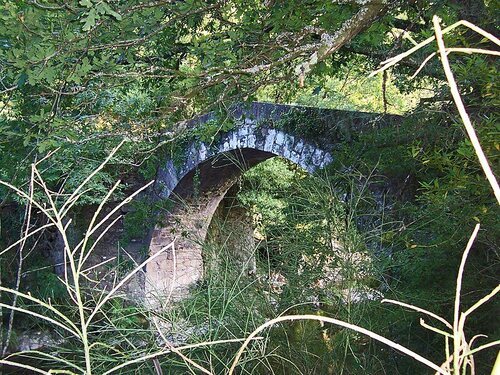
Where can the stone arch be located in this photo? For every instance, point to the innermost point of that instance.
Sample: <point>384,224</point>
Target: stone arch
<point>198,185</point>
<point>250,136</point>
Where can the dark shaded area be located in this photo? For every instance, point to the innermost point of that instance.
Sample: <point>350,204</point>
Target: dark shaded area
<point>218,171</point>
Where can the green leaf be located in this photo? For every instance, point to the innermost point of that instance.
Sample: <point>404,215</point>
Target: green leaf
<point>86,3</point>
<point>90,20</point>
<point>49,74</point>
<point>22,79</point>
<point>104,8</point>
<point>117,16</point>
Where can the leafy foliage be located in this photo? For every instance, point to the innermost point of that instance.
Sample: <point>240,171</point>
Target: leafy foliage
<point>77,76</point>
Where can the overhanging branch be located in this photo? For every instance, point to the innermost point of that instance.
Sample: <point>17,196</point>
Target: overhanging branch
<point>363,19</point>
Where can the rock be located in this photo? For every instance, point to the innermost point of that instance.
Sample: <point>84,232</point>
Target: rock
<point>36,340</point>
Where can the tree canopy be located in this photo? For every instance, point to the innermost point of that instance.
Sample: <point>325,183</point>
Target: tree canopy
<point>79,76</point>
<point>63,62</point>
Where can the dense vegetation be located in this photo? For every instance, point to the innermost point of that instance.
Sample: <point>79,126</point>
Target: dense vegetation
<point>391,216</point>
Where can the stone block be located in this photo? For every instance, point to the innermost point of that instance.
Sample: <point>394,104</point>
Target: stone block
<point>243,137</point>
<point>251,141</point>
<point>279,143</point>
<point>288,146</point>
<point>298,146</point>
<point>294,157</point>
<point>317,157</point>
<point>224,144</point>
<point>327,159</point>
<point>260,138</point>
<point>305,160</point>
<point>233,140</point>
<point>202,152</point>
<point>269,142</point>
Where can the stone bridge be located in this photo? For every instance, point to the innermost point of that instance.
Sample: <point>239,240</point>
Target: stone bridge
<point>198,181</point>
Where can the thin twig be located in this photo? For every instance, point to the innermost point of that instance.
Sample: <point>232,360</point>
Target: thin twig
<point>27,222</point>
<point>396,59</point>
<point>461,109</point>
<point>419,309</point>
<point>177,351</point>
<point>457,333</point>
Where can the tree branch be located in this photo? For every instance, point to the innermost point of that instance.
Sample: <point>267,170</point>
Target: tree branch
<point>352,27</point>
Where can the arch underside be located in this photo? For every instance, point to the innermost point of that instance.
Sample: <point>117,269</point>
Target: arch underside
<point>197,187</point>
